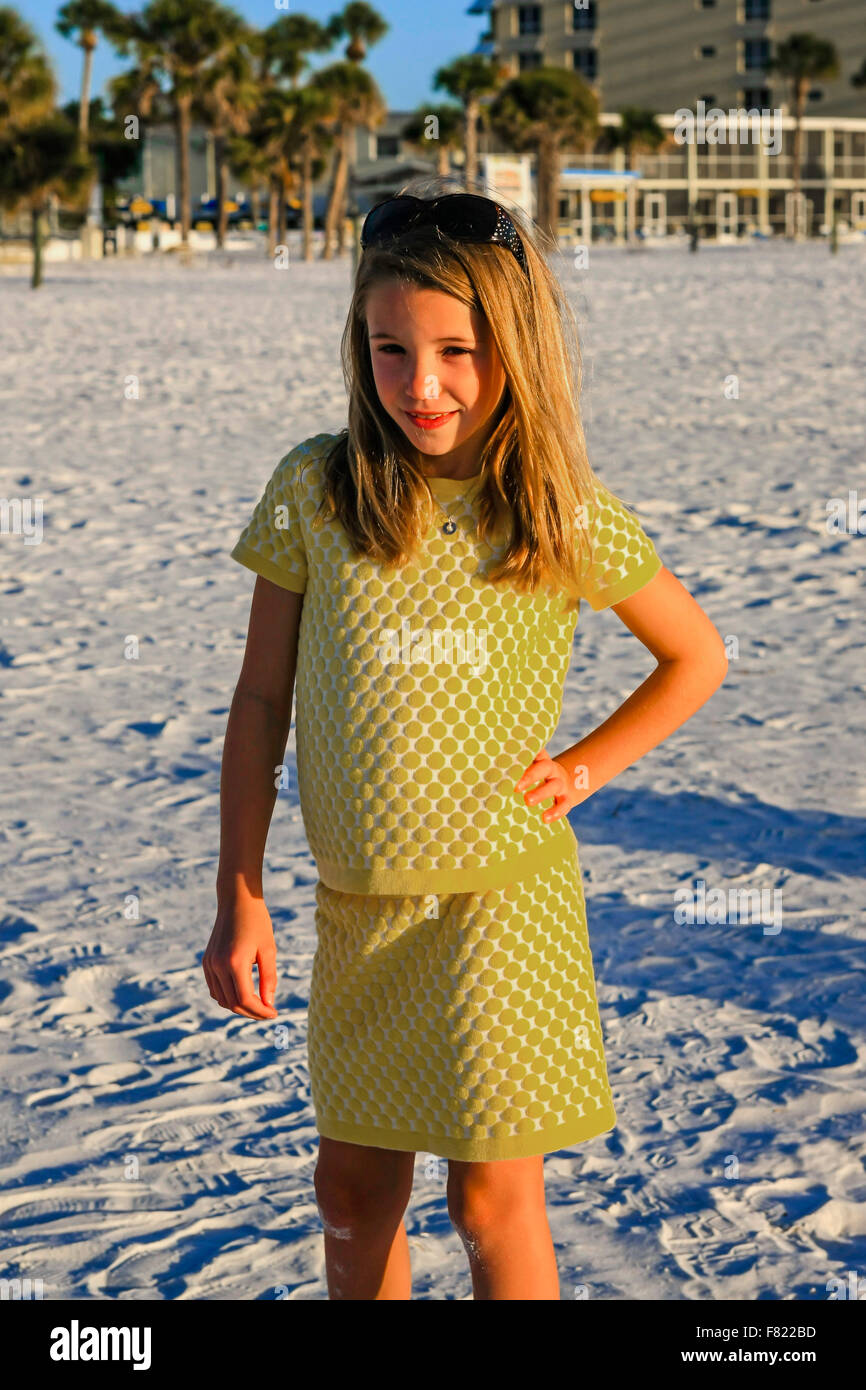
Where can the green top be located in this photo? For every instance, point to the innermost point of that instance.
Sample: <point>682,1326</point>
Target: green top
<point>423,692</point>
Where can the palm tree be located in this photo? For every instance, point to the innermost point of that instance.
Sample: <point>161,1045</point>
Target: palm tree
<point>544,110</point>
<point>638,129</point>
<point>311,142</point>
<point>265,149</point>
<point>802,59</point>
<point>467,80</point>
<point>362,25</point>
<point>450,123</point>
<point>88,18</point>
<point>175,42</point>
<point>37,161</point>
<point>27,86</point>
<point>259,154</point>
<point>286,46</point>
<point>354,100</point>
<point>115,156</point>
<point>39,154</point>
<point>225,105</point>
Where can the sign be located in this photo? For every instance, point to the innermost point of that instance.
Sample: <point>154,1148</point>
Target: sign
<point>510,177</point>
<point>606,195</point>
<point>748,192</point>
<point>139,206</point>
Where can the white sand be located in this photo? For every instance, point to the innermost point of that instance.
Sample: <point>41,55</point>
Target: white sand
<point>723,1042</point>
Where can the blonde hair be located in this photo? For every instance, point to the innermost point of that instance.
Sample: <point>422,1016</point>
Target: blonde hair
<point>536,478</point>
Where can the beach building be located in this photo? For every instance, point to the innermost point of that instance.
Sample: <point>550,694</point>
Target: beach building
<point>665,54</point>
<point>704,56</point>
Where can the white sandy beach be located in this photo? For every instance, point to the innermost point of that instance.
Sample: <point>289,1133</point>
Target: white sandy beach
<point>153,1146</point>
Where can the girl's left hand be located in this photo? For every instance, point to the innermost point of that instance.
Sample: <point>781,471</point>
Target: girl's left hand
<point>557,783</point>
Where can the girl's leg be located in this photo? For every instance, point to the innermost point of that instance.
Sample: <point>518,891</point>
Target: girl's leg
<point>362,1193</point>
<point>499,1213</point>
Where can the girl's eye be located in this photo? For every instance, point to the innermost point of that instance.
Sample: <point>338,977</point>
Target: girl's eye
<point>452,348</point>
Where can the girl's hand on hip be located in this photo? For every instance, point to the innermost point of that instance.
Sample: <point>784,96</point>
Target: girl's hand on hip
<point>556,783</point>
<point>242,936</point>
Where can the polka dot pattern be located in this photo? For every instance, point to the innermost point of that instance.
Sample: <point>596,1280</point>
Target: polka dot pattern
<point>424,692</point>
<point>464,1025</point>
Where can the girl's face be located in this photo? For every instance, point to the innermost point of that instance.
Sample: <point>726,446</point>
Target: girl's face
<point>434,356</point>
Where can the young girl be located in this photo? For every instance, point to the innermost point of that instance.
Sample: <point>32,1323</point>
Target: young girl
<point>421,572</point>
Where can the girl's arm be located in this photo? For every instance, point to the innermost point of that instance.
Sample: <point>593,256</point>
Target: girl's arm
<point>255,742</point>
<point>691,665</point>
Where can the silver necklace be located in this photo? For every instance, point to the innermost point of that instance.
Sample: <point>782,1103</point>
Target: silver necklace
<point>450,525</point>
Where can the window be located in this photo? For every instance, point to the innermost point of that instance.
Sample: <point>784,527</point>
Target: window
<point>708,98</point>
<point>708,4</point>
<point>815,94</point>
<point>387,146</point>
<point>529,19</point>
<point>528,60</point>
<point>583,14</point>
<point>757,9</point>
<point>708,51</point>
<point>757,97</point>
<point>585,62</point>
<point>756,53</point>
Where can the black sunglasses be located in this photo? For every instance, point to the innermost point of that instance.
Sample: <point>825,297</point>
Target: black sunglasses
<point>461,216</point>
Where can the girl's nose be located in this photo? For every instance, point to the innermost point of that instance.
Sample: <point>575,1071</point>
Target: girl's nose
<point>422,382</point>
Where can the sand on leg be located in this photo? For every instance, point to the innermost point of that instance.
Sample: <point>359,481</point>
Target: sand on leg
<point>498,1210</point>
<point>362,1193</point>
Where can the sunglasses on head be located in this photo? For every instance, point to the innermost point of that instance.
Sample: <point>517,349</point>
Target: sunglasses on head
<point>461,216</point>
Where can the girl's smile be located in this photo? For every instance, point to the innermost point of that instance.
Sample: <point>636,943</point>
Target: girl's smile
<point>425,421</point>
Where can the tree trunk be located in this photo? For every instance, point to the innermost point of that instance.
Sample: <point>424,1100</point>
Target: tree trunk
<point>470,141</point>
<point>335,200</point>
<point>273,215</point>
<point>344,199</point>
<point>799,104</point>
<point>548,188</point>
<point>88,43</point>
<point>182,123</point>
<point>36,237</point>
<point>443,165</point>
<point>308,202</point>
<point>222,190</point>
<point>630,205</point>
<point>281,214</point>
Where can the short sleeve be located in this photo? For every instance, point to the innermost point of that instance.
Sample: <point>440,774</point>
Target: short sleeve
<point>623,558</point>
<point>272,542</point>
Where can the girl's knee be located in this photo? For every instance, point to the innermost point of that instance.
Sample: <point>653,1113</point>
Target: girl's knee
<point>483,1197</point>
<point>361,1191</point>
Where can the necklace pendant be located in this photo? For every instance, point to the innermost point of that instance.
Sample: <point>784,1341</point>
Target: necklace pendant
<point>450,527</point>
